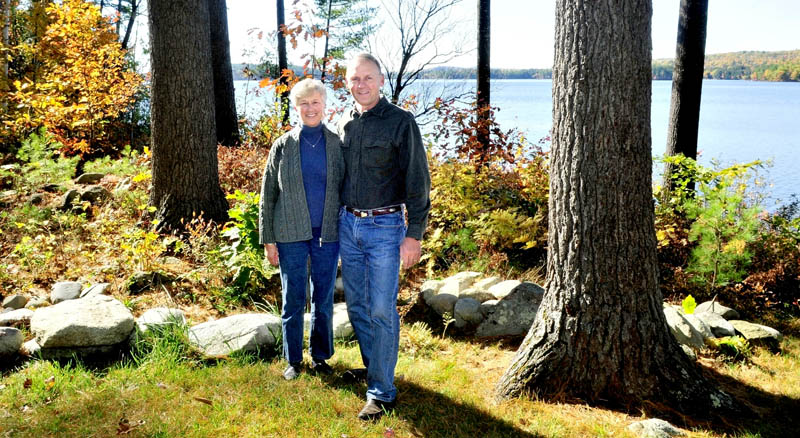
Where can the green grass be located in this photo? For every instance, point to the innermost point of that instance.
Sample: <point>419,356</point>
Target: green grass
<point>164,389</point>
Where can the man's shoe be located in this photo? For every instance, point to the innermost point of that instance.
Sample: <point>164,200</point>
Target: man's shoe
<point>292,371</point>
<point>374,409</point>
<point>355,375</point>
<point>320,367</point>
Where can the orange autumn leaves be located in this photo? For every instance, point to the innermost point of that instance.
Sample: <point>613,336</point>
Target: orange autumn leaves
<point>82,84</point>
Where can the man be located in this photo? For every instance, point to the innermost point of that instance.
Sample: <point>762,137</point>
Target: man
<point>386,177</point>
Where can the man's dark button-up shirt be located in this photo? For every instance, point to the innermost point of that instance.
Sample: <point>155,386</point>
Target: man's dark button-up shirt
<point>385,163</point>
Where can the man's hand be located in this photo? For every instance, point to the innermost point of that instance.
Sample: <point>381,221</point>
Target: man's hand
<point>272,253</point>
<point>410,251</point>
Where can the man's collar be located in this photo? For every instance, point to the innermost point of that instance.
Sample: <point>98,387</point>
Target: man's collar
<point>378,109</point>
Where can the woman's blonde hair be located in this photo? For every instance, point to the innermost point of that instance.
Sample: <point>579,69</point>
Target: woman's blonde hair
<point>307,87</point>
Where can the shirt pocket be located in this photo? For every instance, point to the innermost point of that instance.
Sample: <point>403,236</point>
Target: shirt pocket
<point>378,152</point>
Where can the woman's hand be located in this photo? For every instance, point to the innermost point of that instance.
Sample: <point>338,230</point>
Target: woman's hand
<point>272,253</point>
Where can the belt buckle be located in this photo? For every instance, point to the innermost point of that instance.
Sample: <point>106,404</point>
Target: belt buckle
<point>362,213</point>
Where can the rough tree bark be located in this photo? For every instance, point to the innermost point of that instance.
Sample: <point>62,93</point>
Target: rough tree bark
<point>283,64</point>
<point>185,172</point>
<point>687,85</point>
<point>600,333</point>
<point>224,98</point>
<point>484,72</point>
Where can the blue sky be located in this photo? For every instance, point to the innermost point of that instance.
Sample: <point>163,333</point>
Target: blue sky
<point>522,30</point>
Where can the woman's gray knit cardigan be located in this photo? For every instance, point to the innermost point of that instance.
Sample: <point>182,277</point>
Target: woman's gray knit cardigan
<point>283,213</point>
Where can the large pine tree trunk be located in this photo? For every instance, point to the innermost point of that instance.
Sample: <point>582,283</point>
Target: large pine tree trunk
<point>224,97</point>
<point>600,333</point>
<point>484,74</point>
<point>687,84</point>
<point>185,173</point>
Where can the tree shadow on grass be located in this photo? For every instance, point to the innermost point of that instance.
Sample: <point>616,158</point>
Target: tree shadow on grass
<point>772,415</point>
<point>432,414</point>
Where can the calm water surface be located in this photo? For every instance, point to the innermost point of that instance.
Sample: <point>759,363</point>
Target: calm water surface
<point>740,121</point>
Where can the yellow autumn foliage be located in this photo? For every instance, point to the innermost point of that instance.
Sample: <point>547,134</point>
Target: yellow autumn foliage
<point>82,85</point>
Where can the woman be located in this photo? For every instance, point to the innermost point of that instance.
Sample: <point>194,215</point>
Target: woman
<point>298,220</point>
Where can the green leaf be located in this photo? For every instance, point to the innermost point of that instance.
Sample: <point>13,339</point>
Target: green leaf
<point>689,304</point>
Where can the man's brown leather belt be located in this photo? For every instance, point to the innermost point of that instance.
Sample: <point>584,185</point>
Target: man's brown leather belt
<point>373,212</point>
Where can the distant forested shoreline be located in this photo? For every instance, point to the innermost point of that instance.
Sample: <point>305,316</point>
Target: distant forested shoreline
<point>783,66</point>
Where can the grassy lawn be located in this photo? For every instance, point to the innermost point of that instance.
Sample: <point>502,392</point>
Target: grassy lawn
<point>445,388</point>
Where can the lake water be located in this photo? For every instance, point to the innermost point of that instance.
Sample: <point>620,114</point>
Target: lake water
<point>740,121</point>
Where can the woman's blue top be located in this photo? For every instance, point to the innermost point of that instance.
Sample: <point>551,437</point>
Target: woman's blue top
<point>314,165</point>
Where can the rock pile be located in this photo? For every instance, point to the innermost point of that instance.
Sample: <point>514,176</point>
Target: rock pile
<point>86,322</point>
<point>489,307</point>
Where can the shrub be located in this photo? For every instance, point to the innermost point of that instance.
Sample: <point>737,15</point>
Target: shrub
<point>774,277</point>
<point>266,129</point>
<point>496,211</point>
<point>724,224</point>
<point>703,235</point>
<point>42,162</point>
<point>241,168</point>
<point>244,255</point>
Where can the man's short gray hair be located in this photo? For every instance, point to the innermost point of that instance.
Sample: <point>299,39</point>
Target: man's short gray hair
<point>307,87</point>
<point>364,56</point>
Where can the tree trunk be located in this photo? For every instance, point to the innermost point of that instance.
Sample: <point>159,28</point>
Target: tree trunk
<point>282,63</point>
<point>327,40</point>
<point>185,172</point>
<point>484,75</point>
<point>131,21</point>
<point>224,97</point>
<point>5,42</point>
<point>600,333</point>
<point>119,17</point>
<point>687,84</point>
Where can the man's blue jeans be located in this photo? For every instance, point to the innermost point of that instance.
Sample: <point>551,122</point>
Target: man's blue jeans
<point>370,252</point>
<point>294,278</point>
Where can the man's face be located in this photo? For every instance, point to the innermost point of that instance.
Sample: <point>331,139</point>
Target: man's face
<point>364,81</point>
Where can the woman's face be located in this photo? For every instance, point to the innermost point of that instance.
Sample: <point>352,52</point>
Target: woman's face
<point>311,108</point>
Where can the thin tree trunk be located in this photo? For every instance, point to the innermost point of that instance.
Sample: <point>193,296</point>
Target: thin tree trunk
<point>224,96</point>
<point>484,75</point>
<point>131,21</point>
<point>687,85</point>
<point>327,39</point>
<point>5,42</point>
<point>600,333</point>
<point>119,17</point>
<point>185,171</point>
<point>282,64</point>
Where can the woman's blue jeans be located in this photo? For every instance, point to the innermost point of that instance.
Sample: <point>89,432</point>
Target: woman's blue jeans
<point>293,259</point>
<point>370,252</point>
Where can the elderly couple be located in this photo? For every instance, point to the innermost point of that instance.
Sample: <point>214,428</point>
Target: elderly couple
<point>324,195</point>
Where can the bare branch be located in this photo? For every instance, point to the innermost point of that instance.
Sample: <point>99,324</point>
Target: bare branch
<point>424,35</point>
